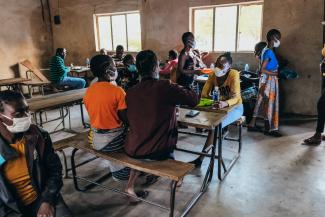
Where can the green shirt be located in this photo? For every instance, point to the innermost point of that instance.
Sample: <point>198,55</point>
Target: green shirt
<point>58,70</point>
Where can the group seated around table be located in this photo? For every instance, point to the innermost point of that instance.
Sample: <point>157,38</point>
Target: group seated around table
<point>59,72</point>
<point>171,64</point>
<point>31,172</point>
<point>227,82</point>
<point>141,122</point>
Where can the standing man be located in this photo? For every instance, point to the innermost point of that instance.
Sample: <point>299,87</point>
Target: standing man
<point>59,72</point>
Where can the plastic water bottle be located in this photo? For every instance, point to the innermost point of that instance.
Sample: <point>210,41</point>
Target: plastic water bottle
<point>88,62</point>
<point>216,94</point>
<point>246,68</point>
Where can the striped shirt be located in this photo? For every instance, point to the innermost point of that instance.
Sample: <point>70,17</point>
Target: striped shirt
<point>58,70</point>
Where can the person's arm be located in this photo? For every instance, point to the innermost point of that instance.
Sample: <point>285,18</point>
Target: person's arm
<point>180,95</point>
<point>53,173</point>
<point>121,107</point>
<point>208,86</point>
<point>123,117</point>
<point>234,90</point>
<point>167,69</point>
<point>181,63</point>
<point>59,62</point>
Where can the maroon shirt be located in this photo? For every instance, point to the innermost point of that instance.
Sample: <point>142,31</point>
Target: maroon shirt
<point>152,118</point>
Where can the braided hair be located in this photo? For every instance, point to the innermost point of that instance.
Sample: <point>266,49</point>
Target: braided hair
<point>101,65</point>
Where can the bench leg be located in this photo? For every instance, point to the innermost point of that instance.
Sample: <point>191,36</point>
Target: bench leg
<point>86,125</point>
<point>65,164</point>
<point>172,198</point>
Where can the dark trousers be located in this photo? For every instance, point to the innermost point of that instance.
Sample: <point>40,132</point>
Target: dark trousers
<point>61,209</point>
<point>321,113</point>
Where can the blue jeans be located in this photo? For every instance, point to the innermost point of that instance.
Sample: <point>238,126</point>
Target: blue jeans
<point>75,83</point>
<point>233,116</point>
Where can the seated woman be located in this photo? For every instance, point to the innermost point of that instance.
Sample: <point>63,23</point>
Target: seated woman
<point>106,107</point>
<point>228,81</point>
<point>172,63</point>
<point>129,75</point>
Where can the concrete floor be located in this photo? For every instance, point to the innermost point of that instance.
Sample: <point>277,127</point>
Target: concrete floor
<point>274,177</point>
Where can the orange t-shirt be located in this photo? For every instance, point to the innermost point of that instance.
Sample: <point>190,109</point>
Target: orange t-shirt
<point>102,101</point>
<point>16,172</point>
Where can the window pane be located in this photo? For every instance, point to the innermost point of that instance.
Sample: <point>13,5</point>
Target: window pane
<point>225,28</point>
<point>203,28</point>
<point>104,33</point>
<point>134,32</point>
<point>119,30</point>
<point>249,27</point>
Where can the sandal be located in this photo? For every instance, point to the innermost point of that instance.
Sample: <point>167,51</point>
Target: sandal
<point>313,141</point>
<point>141,194</point>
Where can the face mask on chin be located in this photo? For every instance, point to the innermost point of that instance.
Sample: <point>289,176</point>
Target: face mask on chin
<point>276,43</point>
<point>19,125</point>
<point>132,68</point>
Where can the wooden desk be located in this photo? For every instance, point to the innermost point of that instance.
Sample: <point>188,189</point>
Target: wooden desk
<point>13,83</point>
<point>80,71</point>
<point>57,100</point>
<point>213,122</point>
<point>211,109</point>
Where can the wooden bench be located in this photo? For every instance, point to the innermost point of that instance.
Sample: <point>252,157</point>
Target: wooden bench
<point>171,169</point>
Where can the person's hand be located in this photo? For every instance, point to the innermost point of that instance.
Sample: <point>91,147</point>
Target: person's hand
<point>221,104</point>
<point>45,210</point>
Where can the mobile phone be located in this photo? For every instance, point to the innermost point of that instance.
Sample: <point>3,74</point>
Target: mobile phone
<point>192,113</point>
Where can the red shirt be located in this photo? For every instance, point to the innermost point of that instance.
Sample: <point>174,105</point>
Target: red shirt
<point>168,68</point>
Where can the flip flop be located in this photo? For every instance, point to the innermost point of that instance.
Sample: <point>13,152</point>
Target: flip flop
<point>140,194</point>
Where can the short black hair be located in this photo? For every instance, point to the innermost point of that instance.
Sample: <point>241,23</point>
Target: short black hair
<point>173,54</point>
<point>8,96</point>
<point>59,50</point>
<point>146,62</point>
<point>227,55</point>
<point>127,58</point>
<point>99,65</point>
<point>119,47</point>
<point>186,35</point>
<point>273,32</point>
<point>259,47</point>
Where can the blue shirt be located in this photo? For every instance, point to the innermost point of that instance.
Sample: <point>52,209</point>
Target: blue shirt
<point>269,56</point>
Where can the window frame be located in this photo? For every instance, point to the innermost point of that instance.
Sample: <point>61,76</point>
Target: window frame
<point>192,21</point>
<point>96,29</point>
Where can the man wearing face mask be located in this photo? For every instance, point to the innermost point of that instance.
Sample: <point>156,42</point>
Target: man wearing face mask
<point>267,104</point>
<point>187,61</point>
<point>59,72</point>
<point>31,173</point>
<point>129,74</point>
<point>228,82</point>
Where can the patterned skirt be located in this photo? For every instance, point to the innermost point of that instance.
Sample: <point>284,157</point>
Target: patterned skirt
<point>267,104</point>
<point>110,141</point>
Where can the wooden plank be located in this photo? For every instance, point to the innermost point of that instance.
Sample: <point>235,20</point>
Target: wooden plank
<point>172,169</point>
<point>204,120</point>
<point>12,81</point>
<point>55,100</point>
<point>35,70</point>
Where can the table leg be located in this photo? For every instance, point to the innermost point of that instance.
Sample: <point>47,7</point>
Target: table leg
<point>220,159</point>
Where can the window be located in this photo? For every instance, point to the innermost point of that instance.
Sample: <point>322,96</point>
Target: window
<point>118,29</point>
<point>235,28</point>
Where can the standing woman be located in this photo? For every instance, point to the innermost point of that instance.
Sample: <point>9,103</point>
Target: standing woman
<point>187,61</point>
<point>267,105</point>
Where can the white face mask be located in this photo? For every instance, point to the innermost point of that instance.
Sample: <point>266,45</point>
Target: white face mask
<point>113,76</point>
<point>19,125</point>
<point>221,72</point>
<point>277,43</point>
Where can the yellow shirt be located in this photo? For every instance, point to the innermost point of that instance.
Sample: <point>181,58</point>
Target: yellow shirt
<point>16,172</point>
<point>229,90</point>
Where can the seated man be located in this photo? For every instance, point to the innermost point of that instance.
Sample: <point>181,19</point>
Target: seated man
<point>228,82</point>
<point>119,55</point>
<point>172,63</point>
<point>31,173</point>
<point>59,72</point>
<point>105,104</point>
<point>152,111</point>
<point>129,74</point>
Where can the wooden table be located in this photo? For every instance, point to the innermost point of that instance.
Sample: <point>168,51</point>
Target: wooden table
<point>80,71</point>
<point>212,122</point>
<point>57,100</point>
<point>212,110</point>
<point>13,83</point>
